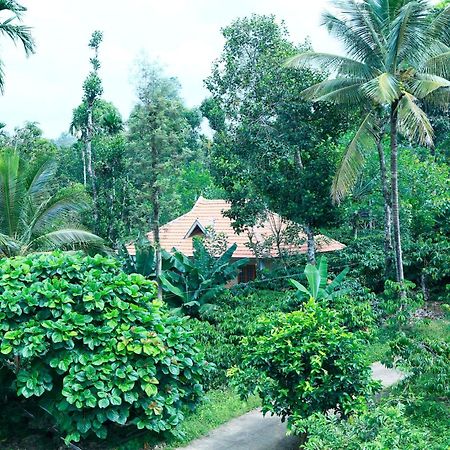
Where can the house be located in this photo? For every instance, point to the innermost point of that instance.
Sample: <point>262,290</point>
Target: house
<point>260,244</point>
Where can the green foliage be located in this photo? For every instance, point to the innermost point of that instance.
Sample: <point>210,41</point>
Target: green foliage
<point>395,309</point>
<point>426,361</point>
<point>382,427</point>
<point>352,302</point>
<point>355,305</point>
<point>222,329</point>
<point>304,362</point>
<point>191,285</point>
<point>164,147</point>
<point>318,286</point>
<point>425,216</point>
<point>17,32</point>
<point>196,282</point>
<point>34,216</point>
<point>271,150</point>
<point>413,415</point>
<point>90,346</point>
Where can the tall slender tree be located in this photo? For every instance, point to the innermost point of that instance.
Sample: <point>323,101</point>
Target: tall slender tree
<point>83,118</point>
<point>159,132</point>
<point>398,57</point>
<point>18,33</point>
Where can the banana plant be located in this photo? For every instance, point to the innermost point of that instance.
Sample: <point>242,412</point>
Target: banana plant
<point>318,286</point>
<point>190,285</point>
<point>197,281</point>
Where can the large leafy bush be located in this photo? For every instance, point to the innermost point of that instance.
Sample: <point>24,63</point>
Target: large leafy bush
<point>89,345</point>
<point>304,362</point>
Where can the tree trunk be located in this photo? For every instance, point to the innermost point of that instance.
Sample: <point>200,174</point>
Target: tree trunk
<point>311,245</point>
<point>83,157</point>
<point>395,199</point>
<point>90,167</point>
<point>423,285</point>
<point>388,261</point>
<point>156,217</point>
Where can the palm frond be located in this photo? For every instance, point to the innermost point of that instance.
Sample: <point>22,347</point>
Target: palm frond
<point>439,98</point>
<point>438,64</point>
<point>40,177</point>
<point>440,27</point>
<point>354,158</point>
<point>57,209</point>
<point>413,122</point>
<point>8,246</point>
<point>11,192</point>
<point>18,34</point>
<point>408,34</point>
<point>356,47</point>
<point>2,78</point>
<point>341,91</point>
<point>384,89</point>
<point>13,6</point>
<point>339,65</point>
<point>424,84</point>
<point>361,19</point>
<point>68,238</point>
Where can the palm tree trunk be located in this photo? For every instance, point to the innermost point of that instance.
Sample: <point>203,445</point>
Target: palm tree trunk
<point>387,209</point>
<point>90,166</point>
<point>395,200</point>
<point>83,157</point>
<point>155,195</point>
<point>311,245</point>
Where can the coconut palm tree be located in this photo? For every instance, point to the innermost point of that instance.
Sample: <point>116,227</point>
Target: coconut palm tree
<point>33,217</point>
<point>17,33</point>
<point>398,57</point>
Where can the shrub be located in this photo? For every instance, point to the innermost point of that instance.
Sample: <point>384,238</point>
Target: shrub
<point>395,309</point>
<point>426,361</point>
<point>384,427</point>
<point>222,328</point>
<point>304,362</point>
<point>354,304</point>
<point>88,344</point>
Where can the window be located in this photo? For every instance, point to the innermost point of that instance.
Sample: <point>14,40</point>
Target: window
<point>247,273</point>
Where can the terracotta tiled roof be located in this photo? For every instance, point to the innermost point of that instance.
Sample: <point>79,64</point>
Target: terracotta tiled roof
<point>209,213</point>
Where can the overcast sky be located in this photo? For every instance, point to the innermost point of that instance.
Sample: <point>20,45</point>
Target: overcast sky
<point>183,35</point>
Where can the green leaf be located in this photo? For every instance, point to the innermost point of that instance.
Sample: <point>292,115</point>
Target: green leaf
<point>103,403</point>
<point>313,276</point>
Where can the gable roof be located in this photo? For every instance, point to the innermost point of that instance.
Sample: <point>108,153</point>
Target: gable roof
<point>178,233</point>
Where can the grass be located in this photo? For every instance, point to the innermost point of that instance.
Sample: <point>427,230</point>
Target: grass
<point>379,346</point>
<point>219,407</point>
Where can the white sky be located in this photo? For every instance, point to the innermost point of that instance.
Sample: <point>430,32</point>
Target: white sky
<point>183,35</point>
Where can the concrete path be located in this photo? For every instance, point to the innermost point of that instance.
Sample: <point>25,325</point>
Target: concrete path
<point>388,377</point>
<point>252,431</point>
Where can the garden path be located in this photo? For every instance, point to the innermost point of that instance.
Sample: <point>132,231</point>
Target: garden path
<point>252,431</point>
